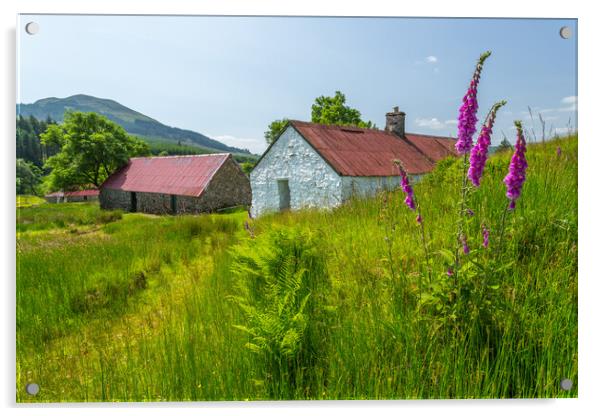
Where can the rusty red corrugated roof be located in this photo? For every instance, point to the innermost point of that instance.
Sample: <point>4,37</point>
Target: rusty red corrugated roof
<point>434,147</point>
<point>353,151</point>
<point>174,175</point>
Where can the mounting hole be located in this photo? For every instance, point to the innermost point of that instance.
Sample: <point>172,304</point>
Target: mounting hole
<point>565,32</point>
<point>32,389</point>
<point>32,28</point>
<point>566,384</point>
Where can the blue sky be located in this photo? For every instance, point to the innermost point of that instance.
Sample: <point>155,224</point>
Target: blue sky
<point>229,77</point>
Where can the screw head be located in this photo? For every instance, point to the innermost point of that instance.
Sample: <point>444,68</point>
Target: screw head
<point>32,389</point>
<point>32,28</point>
<point>565,32</point>
<point>566,384</point>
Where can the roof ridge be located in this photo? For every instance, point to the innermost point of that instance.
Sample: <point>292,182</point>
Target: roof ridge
<point>180,156</point>
<point>430,135</point>
<point>338,126</point>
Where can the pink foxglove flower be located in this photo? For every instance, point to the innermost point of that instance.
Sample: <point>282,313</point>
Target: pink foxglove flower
<point>465,247</point>
<point>467,119</point>
<point>407,188</point>
<point>478,154</point>
<point>517,170</point>
<point>485,236</point>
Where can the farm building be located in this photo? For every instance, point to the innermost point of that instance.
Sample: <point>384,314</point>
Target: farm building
<point>177,185</point>
<point>72,196</point>
<point>314,165</point>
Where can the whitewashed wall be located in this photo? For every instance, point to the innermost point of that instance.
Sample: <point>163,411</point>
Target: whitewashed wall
<point>366,186</point>
<point>312,182</point>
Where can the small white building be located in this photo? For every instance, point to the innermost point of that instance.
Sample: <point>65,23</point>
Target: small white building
<point>314,165</point>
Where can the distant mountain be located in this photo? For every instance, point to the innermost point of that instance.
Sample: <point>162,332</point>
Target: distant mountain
<point>132,121</point>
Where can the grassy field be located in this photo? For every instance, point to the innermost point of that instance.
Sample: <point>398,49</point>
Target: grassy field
<point>29,200</point>
<point>306,305</point>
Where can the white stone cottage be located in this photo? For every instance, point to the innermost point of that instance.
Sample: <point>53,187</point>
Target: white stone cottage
<point>314,165</point>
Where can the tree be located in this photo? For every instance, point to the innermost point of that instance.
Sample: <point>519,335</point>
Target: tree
<point>274,130</point>
<point>332,110</point>
<point>29,176</point>
<point>325,110</point>
<point>91,148</point>
<point>504,145</point>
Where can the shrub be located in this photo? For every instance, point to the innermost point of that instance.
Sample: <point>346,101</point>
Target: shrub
<point>282,287</point>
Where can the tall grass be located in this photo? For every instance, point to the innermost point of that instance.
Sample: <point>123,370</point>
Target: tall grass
<point>149,308</point>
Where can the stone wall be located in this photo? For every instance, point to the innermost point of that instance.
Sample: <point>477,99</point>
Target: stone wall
<point>115,199</point>
<point>367,186</point>
<point>54,199</point>
<point>312,182</point>
<point>229,187</point>
<point>88,198</point>
<point>152,203</point>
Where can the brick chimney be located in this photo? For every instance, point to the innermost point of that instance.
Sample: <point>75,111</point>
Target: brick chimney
<point>396,122</point>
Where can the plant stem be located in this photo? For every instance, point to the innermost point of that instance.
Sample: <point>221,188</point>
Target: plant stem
<point>502,230</point>
<point>423,238</point>
<point>461,214</point>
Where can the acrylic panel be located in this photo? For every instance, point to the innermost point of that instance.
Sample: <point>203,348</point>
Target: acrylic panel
<point>219,208</point>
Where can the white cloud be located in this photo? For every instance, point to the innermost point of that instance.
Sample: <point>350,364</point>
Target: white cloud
<point>572,107</point>
<point>451,122</point>
<point>571,99</point>
<point>256,146</point>
<point>430,123</point>
<point>431,59</point>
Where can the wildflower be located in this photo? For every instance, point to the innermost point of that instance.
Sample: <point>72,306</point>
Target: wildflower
<point>518,166</point>
<point>407,188</point>
<point>467,119</point>
<point>485,236</point>
<point>464,244</point>
<point>419,219</point>
<point>478,154</point>
<point>469,212</point>
<point>449,272</point>
<point>558,151</point>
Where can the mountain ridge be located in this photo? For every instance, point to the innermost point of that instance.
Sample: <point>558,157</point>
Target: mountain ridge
<point>132,121</point>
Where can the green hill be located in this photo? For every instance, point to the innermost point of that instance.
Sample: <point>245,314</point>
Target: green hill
<point>132,121</point>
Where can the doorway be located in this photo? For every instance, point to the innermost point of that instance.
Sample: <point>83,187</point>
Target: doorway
<point>285,194</point>
<point>174,205</point>
<point>133,202</point>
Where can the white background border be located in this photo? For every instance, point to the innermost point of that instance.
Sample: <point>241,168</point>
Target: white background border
<point>590,287</point>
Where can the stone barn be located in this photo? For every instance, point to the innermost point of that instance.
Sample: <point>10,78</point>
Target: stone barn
<point>72,196</point>
<point>314,165</point>
<point>177,185</point>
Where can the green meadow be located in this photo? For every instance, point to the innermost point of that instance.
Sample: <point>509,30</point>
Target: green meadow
<point>314,304</point>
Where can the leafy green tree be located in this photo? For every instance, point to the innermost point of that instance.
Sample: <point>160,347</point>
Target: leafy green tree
<point>29,176</point>
<point>91,148</point>
<point>247,167</point>
<point>274,130</point>
<point>332,110</point>
<point>325,110</point>
<point>504,145</point>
